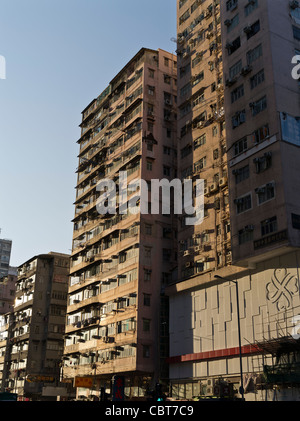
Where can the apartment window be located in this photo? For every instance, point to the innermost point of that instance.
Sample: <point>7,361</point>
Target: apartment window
<point>150,110</point>
<point>150,126</point>
<point>146,325</point>
<point>238,119</point>
<point>166,170</point>
<point>252,29</point>
<point>259,106</point>
<point>254,54</point>
<point>261,134</point>
<point>241,174</point>
<point>186,151</point>
<point>147,274</point>
<point>198,78</point>
<point>233,23</point>
<point>245,235</point>
<point>147,252</point>
<point>257,79</point>
<point>169,133</point>
<point>166,61</point>
<point>235,69</point>
<point>296,32</point>
<point>201,266</point>
<point>265,193</point>
<point>198,100</point>
<point>233,46</point>
<point>240,146</point>
<point>185,90</point>
<point>243,203</point>
<point>167,150</point>
<point>151,90</point>
<point>166,254</point>
<point>167,232</point>
<point>149,165</point>
<point>184,17</point>
<point>200,164</point>
<point>201,140</point>
<point>237,93</point>
<point>250,7</point>
<point>167,79</point>
<point>215,131</point>
<point>146,351</point>
<point>268,226</point>
<point>197,60</point>
<point>185,109</point>
<point>231,5</point>
<point>147,300</point>
<point>148,229</point>
<point>151,73</point>
<point>184,70</point>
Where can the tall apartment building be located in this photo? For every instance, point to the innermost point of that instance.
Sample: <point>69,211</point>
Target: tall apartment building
<point>7,290</point>
<point>117,315</point>
<point>5,251</point>
<point>258,40</point>
<point>201,133</point>
<point>262,127</point>
<point>33,333</point>
<point>5,331</point>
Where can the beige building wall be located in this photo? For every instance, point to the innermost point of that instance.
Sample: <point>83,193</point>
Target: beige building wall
<point>121,263</point>
<point>202,136</point>
<point>261,101</point>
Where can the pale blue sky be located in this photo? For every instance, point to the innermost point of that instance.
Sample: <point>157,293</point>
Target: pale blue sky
<point>60,54</point>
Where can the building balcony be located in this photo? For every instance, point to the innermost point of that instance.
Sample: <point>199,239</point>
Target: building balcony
<point>84,303</point>
<point>114,366</point>
<point>22,306</point>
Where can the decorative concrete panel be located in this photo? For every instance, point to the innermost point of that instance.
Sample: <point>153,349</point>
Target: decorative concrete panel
<point>269,303</point>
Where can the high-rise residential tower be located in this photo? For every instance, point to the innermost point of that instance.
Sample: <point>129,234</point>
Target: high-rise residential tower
<point>235,326</point>
<point>201,134</point>
<point>32,335</point>
<point>117,316</point>
<point>5,252</point>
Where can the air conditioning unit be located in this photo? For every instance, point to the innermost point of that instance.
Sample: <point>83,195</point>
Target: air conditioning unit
<point>197,248</point>
<point>213,187</point>
<point>231,81</point>
<point>186,253</point>
<point>294,4</point>
<point>223,181</point>
<point>210,387</point>
<point>247,29</point>
<point>227,22</point>
<point>188,264</point>
<point>206,191</point>
<point>245,70</point>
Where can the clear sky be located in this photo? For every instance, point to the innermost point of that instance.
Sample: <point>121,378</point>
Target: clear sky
<point>60,54</point>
